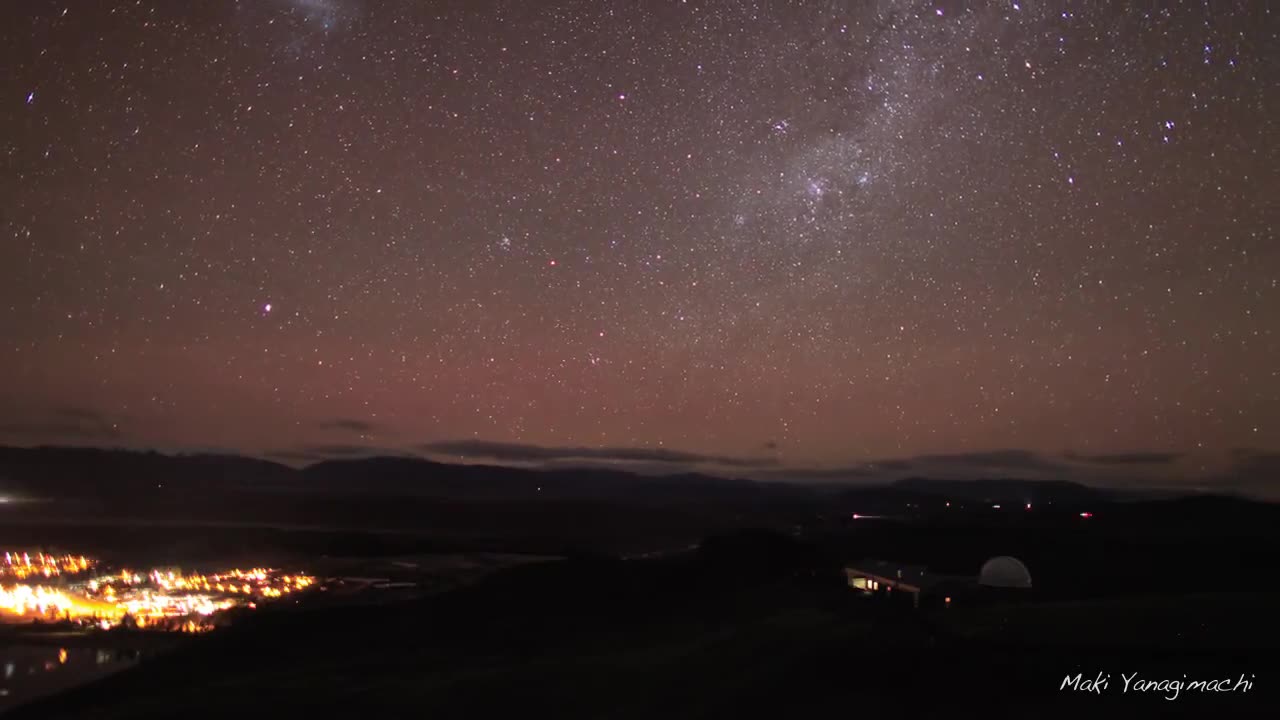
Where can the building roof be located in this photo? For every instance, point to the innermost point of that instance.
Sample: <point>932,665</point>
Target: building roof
<point>916,576</point>
<point>913,577</point>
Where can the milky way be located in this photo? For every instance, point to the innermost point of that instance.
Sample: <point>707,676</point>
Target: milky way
<point>809,234</point>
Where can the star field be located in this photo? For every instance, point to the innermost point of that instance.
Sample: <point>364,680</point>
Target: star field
<point>817,232</point>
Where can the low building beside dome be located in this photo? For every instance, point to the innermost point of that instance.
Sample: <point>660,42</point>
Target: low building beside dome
<point>1002,577</point>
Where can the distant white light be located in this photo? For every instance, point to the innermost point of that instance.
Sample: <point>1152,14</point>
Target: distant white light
<point>266,308</point>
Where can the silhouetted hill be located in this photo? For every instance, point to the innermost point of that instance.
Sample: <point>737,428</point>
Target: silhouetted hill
<point>752,625</point>
<point>115,475</point>
<point>546,508</point>
<point>1217,515</point>
<point>425,478</point>
<point>68,471</point>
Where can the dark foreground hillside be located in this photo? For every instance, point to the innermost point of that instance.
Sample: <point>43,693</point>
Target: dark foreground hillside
<point>749,625</point>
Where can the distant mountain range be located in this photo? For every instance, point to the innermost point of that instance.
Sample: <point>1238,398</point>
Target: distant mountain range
<point>126,494</point>
<point>67,472</point>
<point>63,472</point>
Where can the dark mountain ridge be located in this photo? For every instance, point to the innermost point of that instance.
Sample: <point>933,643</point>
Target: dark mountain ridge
<point>93,474</point>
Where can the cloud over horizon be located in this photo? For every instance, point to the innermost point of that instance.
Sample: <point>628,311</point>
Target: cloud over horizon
<point>518,452</point>
<point>1134,458</point>
<point>72,423</point>
<point>353,425</point>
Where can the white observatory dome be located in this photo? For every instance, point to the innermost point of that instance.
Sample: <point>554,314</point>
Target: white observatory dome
<point>1004,572</point>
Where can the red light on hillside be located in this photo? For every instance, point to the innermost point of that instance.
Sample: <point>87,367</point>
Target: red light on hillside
<point>1086,514</point>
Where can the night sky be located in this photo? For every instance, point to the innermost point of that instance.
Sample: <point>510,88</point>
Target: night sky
<point>781,237</point>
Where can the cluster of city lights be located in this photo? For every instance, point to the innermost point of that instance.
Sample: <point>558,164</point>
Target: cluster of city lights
<point>161,598</point>
<point>22,565</point>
